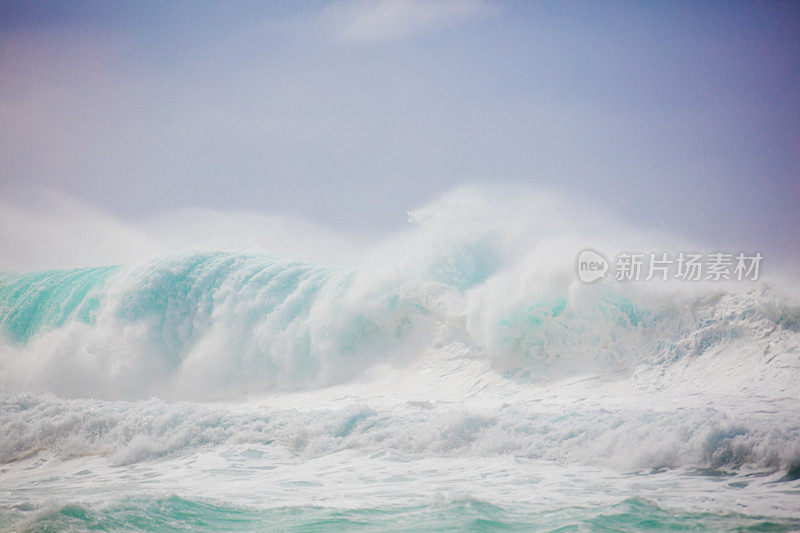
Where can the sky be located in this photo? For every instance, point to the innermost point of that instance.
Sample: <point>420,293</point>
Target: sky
<point>678,116</point>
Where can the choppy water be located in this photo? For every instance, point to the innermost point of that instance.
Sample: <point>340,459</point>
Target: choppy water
<point>462,380</point>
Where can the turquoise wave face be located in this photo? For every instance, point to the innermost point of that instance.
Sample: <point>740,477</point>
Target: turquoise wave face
<point>228,323</point>
<point>32,302</point>
<point>216,321</point>
<point>174,513</point>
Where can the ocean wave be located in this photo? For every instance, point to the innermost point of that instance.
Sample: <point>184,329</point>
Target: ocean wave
<point>480,276</point>
<point>219,323</point>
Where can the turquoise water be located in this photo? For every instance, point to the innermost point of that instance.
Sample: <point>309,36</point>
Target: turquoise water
<point>178,514</point>
<point>31,302</point>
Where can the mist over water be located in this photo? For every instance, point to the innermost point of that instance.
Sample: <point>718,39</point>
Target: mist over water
<point>462,346</point>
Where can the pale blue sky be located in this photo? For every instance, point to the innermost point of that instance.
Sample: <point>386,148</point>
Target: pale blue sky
<point>682,116</point>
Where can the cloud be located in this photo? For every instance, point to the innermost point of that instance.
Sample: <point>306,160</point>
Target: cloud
<point>364,21</point>
<point>57,230</point>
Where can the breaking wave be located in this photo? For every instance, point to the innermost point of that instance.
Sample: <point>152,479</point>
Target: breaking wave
<point>478,304</point>
<point>207,323</point>
<point>474,275</point>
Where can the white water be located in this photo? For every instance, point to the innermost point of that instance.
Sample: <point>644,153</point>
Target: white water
<point>461,359</point>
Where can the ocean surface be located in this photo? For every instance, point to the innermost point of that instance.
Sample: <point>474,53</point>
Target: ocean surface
<point>463,382</point>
